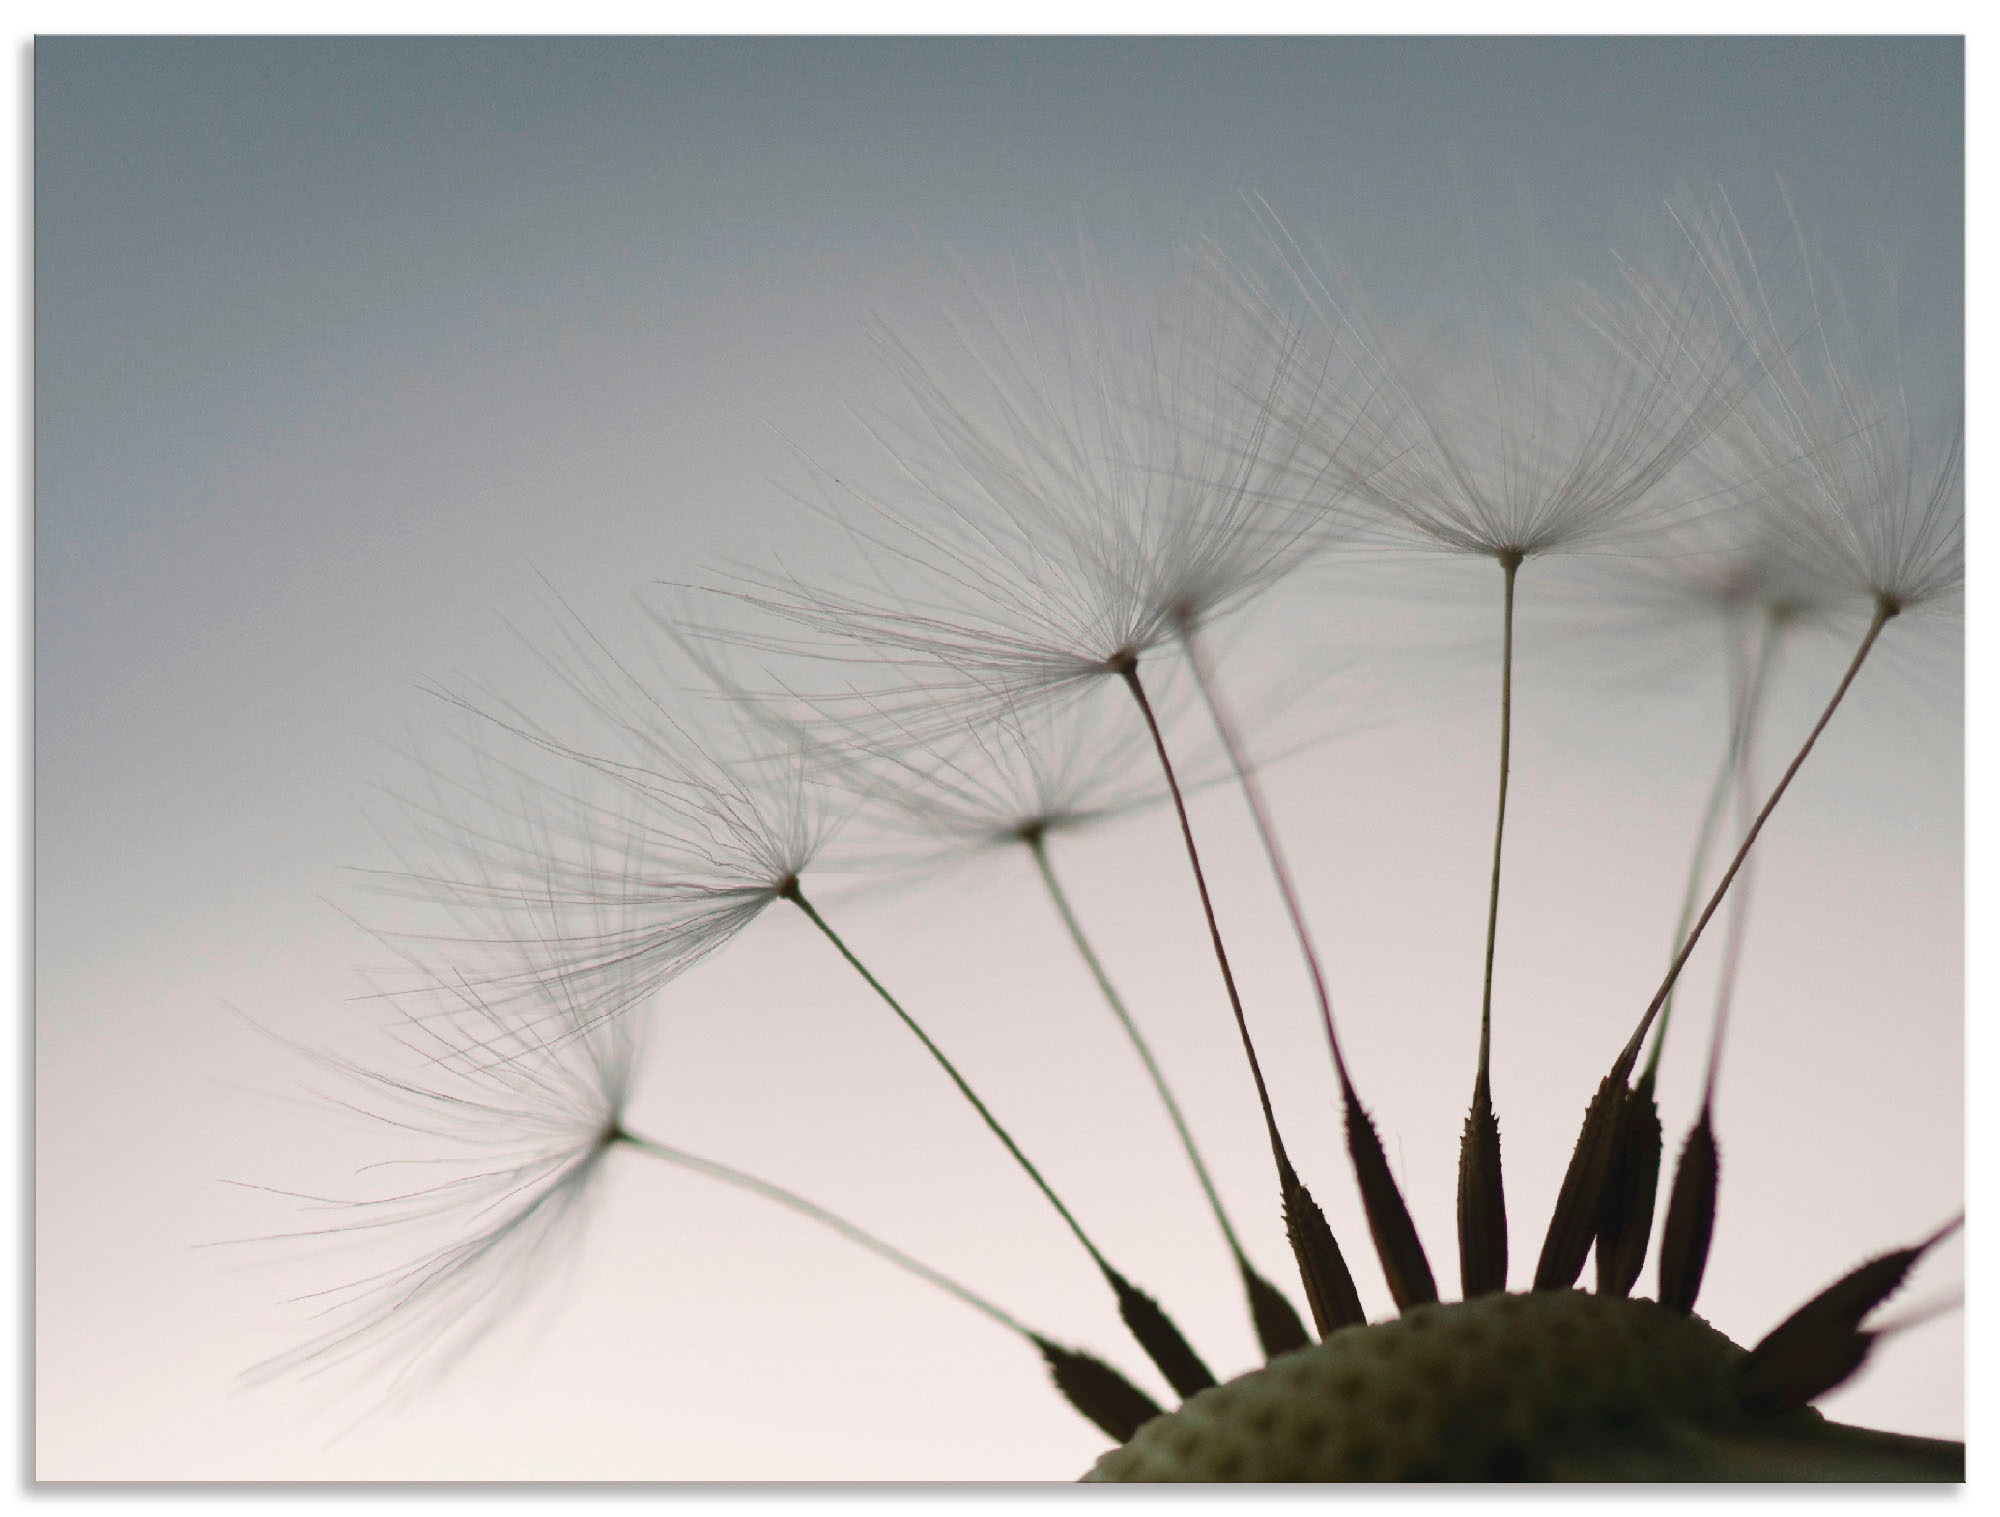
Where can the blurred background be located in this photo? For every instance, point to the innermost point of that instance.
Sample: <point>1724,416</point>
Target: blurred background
<point>348,353</point>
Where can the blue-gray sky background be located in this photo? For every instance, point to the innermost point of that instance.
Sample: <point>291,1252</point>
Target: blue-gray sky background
<point>342,346</point>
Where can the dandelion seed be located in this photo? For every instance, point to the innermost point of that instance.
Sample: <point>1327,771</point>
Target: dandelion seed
<point>1853,500</point>
<point>1041,775</point>
<point>1329,1285</point>
<point>1690,1220</point>
<point>1579,1202</point>
<point>534,1103</point>
<point>728,831</point>
<point>1153,1329</point>
<point>1552,442</point>
<point>1723,569</point>
<point>1395,1235</point>
<point>1082,517</point>
<point>1733,586</point>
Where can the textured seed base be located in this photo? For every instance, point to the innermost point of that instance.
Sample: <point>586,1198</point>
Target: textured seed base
<point>1502,1387</point>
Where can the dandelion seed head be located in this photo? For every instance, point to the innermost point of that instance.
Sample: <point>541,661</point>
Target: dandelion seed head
<point>1080,502</point>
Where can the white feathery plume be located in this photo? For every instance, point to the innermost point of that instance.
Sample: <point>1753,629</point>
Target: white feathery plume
<point>512,1112</point>
<point>1024,775</point>
<point>1857,492</point>
<point>651,847</point>
<point>1070,510</point>
<point>1548,427</point>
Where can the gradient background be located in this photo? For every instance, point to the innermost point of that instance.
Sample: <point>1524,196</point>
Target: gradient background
<point>340,345</point>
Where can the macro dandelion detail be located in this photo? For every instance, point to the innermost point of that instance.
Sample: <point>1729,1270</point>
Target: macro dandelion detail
<point>516,1112</point>
<point>1056,519</point>
<point>1015,640</point>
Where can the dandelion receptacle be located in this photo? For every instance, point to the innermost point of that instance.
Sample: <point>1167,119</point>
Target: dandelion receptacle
<point>1033,626</point>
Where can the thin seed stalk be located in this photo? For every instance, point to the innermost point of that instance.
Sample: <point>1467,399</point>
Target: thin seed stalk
<point>1510,567</point>
<point>1885,610</point>
<point>1130,673</point>
<point>792,1201</point>
<point>1578,1204</point>
<point>1278,1327</point>
<point>1037,848</point>
<point>1739,908</point>
<point>1094,1388</point>
<point>1394,1234</point>
<point>1155,1332</point>
<point>1690,1224</point>
<point>1260,816</point>
<point>1482,1195</point>
<point>1627,1219</point>
<point>1328,1284</point>
<point>797,897</point>
<point>1744,705</point>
